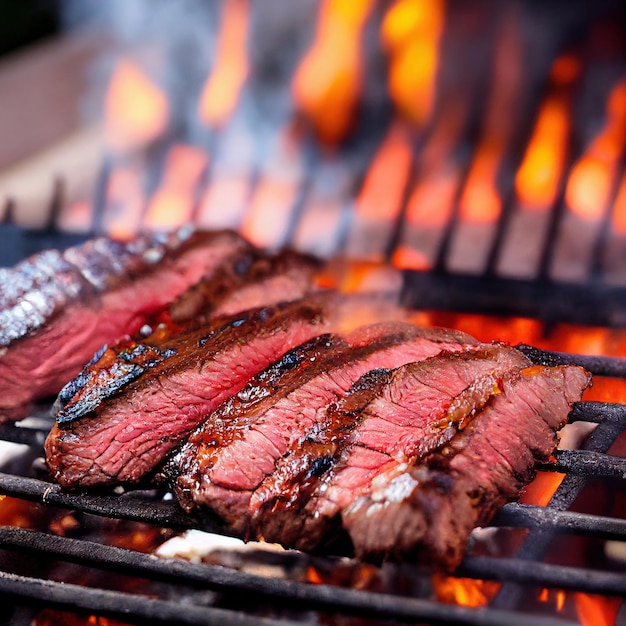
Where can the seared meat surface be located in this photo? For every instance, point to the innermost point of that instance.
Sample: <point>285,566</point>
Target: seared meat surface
<point>428,509</point>
<point>121,429</point>
<point>58,308</point>
<point>248,279</point>
<point>265,403</point>
<point>238,446</point>
<point>389,417</point>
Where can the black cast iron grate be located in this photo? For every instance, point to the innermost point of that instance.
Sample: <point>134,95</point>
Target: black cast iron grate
<point>526,570</point>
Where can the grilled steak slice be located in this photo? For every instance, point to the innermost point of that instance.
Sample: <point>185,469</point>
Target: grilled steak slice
<point>58,308</point>
<point>387,418</point>
<point>238,446</point>
<point>248,280</point>
<point>245,280</point>
<point>432,507</point>
<point>175,385</point>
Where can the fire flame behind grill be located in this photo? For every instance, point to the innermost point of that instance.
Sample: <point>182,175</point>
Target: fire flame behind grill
<point>375,141</point>
<point>381,123</point>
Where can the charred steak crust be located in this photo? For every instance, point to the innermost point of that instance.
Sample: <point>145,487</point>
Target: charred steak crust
<point>428,510</point>
<point>387,417</point>
<point>245,280</point>
<point>238,445</point>
<point>57,309</point>
<point>244,270</point>
<point>126,437</point>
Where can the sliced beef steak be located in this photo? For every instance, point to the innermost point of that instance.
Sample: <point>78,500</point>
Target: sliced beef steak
<point>249,279</point>
<point>58,308</point>
<point>389,417</point>
<point>174,385</point>
<point>431,508</point>
<point>245,280</point>
<point>238,446</point>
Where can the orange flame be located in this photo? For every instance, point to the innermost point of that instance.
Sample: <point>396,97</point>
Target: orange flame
<point>221,91</point>
<point>327,83</point>
<point>172,204</point>
<point>596,610</point>
<point>381,194</point>
<point>480,202</point>
<point>125,201</point>
<point>136,110</point>
<point>464,591</point>
<point>411,32</point>
<point>537,179</point>
<point>589,186</point>
<point>431,200</point>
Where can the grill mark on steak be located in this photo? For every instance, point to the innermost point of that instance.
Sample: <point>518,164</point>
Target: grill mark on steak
<point>238,446</point>
<point>128,436</point>
<point>58,308</point>
<point>388,418</point>
<point>430,509</point>
<point>248,280</point>
<point>245,280</point>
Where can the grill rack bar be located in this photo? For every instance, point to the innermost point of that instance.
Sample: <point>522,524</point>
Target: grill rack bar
<point>303,595</point>
<point>122,605</point>
<point>169,515</point>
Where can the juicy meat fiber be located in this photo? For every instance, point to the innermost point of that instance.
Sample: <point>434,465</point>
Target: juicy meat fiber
<point>390,417</point>
<point>178,383</point>
<point>58,308</point>
<point>238,446</point>
<point>430,508</point>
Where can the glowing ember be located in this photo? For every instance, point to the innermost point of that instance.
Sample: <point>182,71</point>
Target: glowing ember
<point>411,32</point>
<point>464,591</point>
<point>327,84</point>
<point>221,91</point>
<point>136,110</point>
<point>407,258</point>
<point>596,610</point>
<point>592,177</point>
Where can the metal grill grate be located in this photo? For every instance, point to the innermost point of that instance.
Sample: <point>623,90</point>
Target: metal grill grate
<point>527,569</point>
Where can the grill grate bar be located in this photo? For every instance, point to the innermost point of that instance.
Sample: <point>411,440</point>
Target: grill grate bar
<point>587,463</point>
<point>613,367</point>
<point>544,574</point>
<point>303,595</point>
<point>517,515</point>
<point>122,605</point>
<point>169,515</point>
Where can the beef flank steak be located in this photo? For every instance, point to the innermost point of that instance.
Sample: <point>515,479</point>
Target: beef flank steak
<point>430,508</point>
<point>122,430</point>
<point>406,463</point>
<point>58,308</point>
<point>237,447</point>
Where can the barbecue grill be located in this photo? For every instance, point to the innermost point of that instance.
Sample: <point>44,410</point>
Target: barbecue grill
<point>154,590</point>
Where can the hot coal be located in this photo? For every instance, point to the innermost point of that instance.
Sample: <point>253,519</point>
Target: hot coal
<point>58,308</point>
